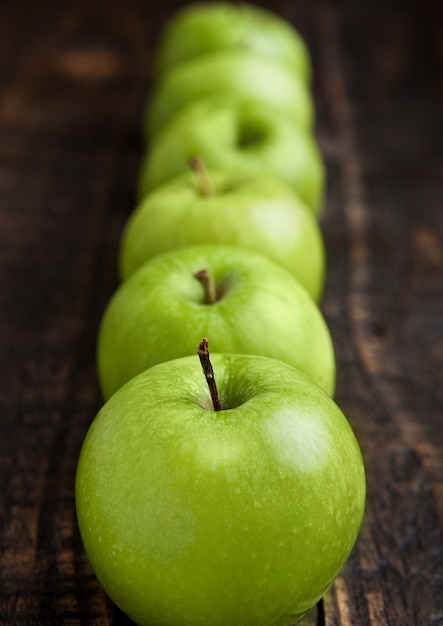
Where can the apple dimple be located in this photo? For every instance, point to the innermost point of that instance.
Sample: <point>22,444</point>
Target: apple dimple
<point>250,137</point>
<point>231,398</point>
<point>230,187</point>
<point>213,291</point>
<point>252,130</point>
<point>223,287</point>
<point>229,395</point>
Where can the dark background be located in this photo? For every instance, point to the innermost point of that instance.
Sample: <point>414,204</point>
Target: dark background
<point>74,77</point>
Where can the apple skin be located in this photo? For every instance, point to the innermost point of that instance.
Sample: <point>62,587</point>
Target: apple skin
<point>241,74</point>
<point>241,517</point>
<point>156,314</point>
<point>200,29</point>
<point>246,136</point>
<point>255,212</point>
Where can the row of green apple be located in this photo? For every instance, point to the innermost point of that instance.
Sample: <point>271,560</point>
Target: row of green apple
<point>232,503</point>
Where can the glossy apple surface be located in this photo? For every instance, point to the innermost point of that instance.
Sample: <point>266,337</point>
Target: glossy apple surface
<point>200,29</point>
<point>241,517</point>
<point>242,135</point>
<point>241,74</point>
<point>260,309</point>
<point>255,212</point>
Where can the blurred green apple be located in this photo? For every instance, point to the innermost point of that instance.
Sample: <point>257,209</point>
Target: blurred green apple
<point>255,212</point>
<point>245,136</point>
<point>239,73</point>
<point>199,29</point>
<point>237,517</point>
<point>254,307</point>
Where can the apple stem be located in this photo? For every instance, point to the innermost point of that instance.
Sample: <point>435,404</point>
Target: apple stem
<point>208,284</point>
<point>203,353</point>
<point>202,176</point>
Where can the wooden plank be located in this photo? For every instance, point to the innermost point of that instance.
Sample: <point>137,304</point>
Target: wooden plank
<point>67,178</point>
<point>74,77</point>
<point>395,575</point>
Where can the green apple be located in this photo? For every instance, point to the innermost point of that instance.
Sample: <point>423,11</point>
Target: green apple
<point>246,136</point>
<point>256,212</point>
<point>257,308</point>
<point>236,517</point>
<point>240,73</point>
<point>199,29</point>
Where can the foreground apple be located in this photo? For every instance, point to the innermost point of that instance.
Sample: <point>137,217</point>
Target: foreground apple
<point>239,73</point>
<point>237,517</point>
<point>244,301</point>
<point>246,136</point>
<point>255,212</point>
<point>200,29</point>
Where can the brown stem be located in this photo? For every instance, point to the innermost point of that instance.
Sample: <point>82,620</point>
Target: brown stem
<point>202,176</point>
<point>203,353</point>
<point>208,284</point>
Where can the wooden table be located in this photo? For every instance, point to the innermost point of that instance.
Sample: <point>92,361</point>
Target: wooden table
<point>73,81</point>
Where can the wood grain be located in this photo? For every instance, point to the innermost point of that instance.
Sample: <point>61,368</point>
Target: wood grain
<point>74,78</point>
